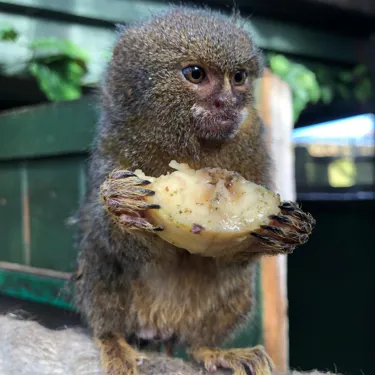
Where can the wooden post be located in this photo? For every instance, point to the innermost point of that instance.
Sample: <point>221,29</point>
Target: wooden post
<point>274,102</point>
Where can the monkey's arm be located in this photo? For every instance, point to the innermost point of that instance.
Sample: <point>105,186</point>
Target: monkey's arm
<point>27,348</point>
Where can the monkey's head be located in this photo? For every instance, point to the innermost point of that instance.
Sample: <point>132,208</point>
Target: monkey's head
<point>184,73</point>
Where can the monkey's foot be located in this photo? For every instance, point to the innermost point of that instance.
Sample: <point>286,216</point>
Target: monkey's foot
<point>118,357</point>
<point>286,231</point>
<point>246,361</point>
<point>123,195</point>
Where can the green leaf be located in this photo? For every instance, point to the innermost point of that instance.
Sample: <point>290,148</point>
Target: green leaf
<point>52,47</point>
<point>300,93</point>
<point>299,105</point>
<point>315,93</point>
<point>72,70</point>
<point>279,64</point>
<point>360,70</point>
<point>346,77</point>
<point>55,85</point>
<point>343,91</point>
<point>307,79</point>
<point>323,74</point>
<point>326,94</point>
<point>8,33</point>
<point>363,90</point>
<point>302,81</point>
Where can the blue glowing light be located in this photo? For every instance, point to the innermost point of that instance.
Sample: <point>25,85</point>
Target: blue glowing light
<point>359,129</point>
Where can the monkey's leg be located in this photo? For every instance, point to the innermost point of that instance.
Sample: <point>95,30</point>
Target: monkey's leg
<point>123,195</point>
<point>286,231</point>
<point>243,361</point>
<point>118,357</point>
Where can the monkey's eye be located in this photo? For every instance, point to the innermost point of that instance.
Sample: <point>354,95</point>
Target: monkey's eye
<point>240,77</point>
<point>194,74</point>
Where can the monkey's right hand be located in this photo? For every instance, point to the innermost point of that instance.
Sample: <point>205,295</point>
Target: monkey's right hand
<point>123,194</point>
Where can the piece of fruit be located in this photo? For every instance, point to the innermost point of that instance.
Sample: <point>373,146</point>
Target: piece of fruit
<point>210,211</point>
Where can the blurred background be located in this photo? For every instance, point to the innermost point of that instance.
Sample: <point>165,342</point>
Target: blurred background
<point>52,53</point>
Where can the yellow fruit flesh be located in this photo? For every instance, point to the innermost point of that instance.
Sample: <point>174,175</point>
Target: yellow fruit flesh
<point>210,210</point>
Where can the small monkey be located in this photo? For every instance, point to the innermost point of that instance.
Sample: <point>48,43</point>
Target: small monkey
<point>178,86</point>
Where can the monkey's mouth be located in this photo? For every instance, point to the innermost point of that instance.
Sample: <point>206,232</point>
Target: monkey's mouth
<point>217,126</point>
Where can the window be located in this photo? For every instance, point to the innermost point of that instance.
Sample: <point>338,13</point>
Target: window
<point>336,158</point>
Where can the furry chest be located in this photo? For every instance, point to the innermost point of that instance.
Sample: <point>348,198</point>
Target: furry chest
<point>166,311</point>
<point>178,303</point>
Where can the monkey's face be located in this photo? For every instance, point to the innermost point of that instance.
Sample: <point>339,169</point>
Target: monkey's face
<point>184,74</point>
<point>220,99</point>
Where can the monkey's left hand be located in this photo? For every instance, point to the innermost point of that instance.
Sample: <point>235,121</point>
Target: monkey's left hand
<point>286,231</point>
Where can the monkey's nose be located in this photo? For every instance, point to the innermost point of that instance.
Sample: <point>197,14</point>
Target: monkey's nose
<point>222,100</point>
<point>218,103</point>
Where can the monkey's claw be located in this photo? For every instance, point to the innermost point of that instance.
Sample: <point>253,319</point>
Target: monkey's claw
<point>123,194</point>
<point>247,361</point>
<point>286,231</point>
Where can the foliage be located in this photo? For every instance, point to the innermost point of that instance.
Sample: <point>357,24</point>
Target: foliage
<point>8,33</point>
<point>318,83</point>
<point>347,84</point>
<point>57,65</point>
<point>302,81</point>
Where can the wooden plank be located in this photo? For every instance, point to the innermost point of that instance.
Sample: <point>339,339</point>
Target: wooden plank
<point>11,248</point>
<point>37,288</point>
<point>275,107</point>
<point>54,194</point>
<point>43,272</point>
<point>269,34</point>
<point>46,130</point>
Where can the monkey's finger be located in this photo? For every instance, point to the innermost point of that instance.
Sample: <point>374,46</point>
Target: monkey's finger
<point>127,201</point>
<point>249,370</point>
<point>288,206</point>
<point>258,363</point>
<point>293,209</point>
<point>120,175</point>
<point>123,206</point>
<point>130,187</point>
<point>303,221</point>
<point>210,367</point>
<point>116,175</point>
<point>286,235</point>
<point>125,190</point>
<point>134,223</point>
<point>273,229</point>
<point>298,220</point>
<point>274,244</point>
<point>281,219</point>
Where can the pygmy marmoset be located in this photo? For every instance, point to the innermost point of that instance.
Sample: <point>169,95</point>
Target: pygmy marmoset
<point>178,86</point>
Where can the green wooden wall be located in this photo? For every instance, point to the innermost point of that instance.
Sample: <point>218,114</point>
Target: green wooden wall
<point>43,154</point>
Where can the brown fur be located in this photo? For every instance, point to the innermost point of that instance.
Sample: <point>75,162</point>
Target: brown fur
<point>131,282</point>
